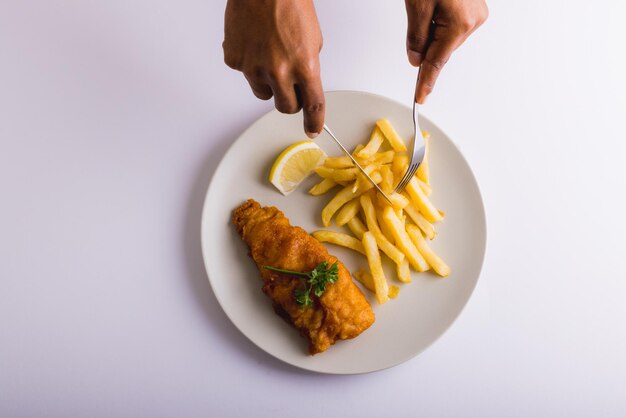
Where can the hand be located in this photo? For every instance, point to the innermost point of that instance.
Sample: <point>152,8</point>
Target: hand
<point>276,44</point>
<point>435,29</point>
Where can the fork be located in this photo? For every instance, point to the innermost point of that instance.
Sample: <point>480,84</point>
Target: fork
<point>417,154</point>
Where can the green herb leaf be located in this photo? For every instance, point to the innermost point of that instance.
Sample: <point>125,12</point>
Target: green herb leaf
<point>302,297</point>
<point>333,273</point>
<point>316,281</point>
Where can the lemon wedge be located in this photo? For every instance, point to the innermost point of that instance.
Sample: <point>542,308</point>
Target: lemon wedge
<point>294,164</point>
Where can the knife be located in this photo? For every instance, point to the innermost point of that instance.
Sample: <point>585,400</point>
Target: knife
<point>327,129</point>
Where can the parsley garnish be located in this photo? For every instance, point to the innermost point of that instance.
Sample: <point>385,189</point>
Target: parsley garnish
<point>316,281</point>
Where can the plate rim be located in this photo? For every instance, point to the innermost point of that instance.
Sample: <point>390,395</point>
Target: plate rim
<point>203,244</point>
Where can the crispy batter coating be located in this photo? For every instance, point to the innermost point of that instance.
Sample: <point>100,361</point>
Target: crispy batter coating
<point>342,312</point>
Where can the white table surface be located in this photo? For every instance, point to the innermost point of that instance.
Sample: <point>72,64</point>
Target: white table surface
<point>113,116</point>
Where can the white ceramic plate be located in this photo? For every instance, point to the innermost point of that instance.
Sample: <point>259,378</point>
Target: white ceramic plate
<point>404,327</point>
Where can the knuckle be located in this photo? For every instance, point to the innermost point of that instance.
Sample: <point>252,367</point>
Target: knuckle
<point>261,91</point>
<point>428,86</point>
<point>231,59</point>
<point>483,15</point>
<point>309,68</point>
<point>256,72</point>
<point>288,107</point>
<point>272,75</point>
<point>466,25</point>
<point>278,72</point>
<point>263,95</point>
<point>470,22</point>
<point>437,63</point>
<point>315,107</point>
<point>416,41</point>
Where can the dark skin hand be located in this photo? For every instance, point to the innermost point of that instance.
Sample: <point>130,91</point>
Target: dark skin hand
<point>276,45</point>
<point>435,29</point>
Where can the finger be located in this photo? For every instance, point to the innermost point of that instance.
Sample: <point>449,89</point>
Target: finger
<point>437,55</point>
<point>313,105</point>
<point>419,23</point>
<point>285,99</point>
<point>260,88</point>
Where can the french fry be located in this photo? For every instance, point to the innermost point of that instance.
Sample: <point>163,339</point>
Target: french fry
<point>421,201</point>
<point>376,140</point>
<point>347,212</point>
<point>345,174</point>
<point>357,227</point>
<point>323,171</point>
<point>384,228</point>
<point>423,172</point>
<point>393,291</point>
<point>373,260</point>
<point>403,241</point>
<point>400,214</point>
<point>387,184</point>
<point>342,197</point>
<point>425,186</point>
<point>336,174</point>
<point>403,271</point>
<point>339,238</point>
<point>399,165</point>
<point>391,135</point>
<point>360,178</point>
<point>343,161</point>
<point>367,280</point>
<point>322,187</point>
<point>358,148</point>
<point>372,225</point>
<point>338,162</point>
<point>427,228</point>
<point>440,267</point>
<point>375,175</point>
<point>399,201</point>
<point>385,157</point>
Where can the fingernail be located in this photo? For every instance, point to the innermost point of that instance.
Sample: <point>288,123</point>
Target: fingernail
<point>421,99</point>
<point>311,134</point>
<point>415,58</point>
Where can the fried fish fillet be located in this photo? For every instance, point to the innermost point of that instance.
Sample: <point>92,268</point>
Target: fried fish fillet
<point>342,312</point>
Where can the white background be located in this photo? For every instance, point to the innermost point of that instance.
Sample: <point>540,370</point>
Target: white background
<point>113,116</point>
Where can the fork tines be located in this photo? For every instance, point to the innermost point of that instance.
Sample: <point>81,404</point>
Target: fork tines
<point>407,177</point>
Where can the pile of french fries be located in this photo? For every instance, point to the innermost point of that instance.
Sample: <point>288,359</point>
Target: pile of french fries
<point>399,229</point>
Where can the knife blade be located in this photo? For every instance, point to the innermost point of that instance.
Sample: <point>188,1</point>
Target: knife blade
<point>327,129</point>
